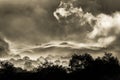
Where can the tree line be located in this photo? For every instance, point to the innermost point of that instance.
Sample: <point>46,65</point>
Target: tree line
<point>81,67</point>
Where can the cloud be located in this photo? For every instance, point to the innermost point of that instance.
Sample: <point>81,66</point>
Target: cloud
<point>109,6</point>
<point>29,21</point>
<point>33,21</point>
<point>101,28</point>
<point>4,47</point>
<point>97,6</point>
<point>29,64</point>
<point>40,21</point>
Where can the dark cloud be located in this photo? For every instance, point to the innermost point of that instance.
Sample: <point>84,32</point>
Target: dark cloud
<point>109,6</point>
<point>29,21</point>
<point>97,6</point>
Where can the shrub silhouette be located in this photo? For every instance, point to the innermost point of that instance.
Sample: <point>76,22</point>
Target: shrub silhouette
<point>7,67</point>
<point>54,72</point>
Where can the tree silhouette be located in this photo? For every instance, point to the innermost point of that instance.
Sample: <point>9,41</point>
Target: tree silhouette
<point>81,67</point>
<point>80,61</point>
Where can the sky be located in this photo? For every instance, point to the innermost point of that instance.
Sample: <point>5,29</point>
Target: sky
<point>60,27</point>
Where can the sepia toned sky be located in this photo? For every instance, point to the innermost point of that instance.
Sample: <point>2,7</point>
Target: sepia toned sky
<point>93,23</point>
